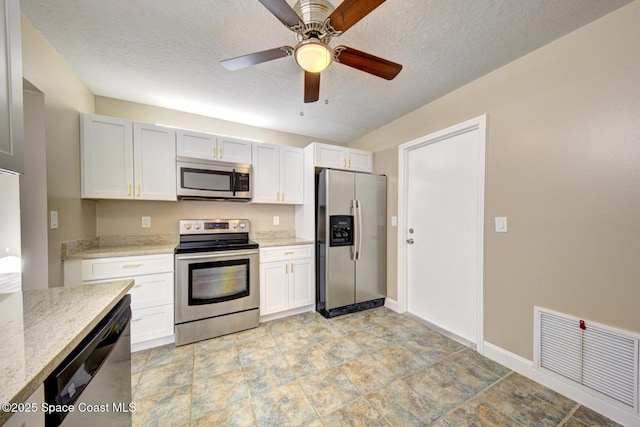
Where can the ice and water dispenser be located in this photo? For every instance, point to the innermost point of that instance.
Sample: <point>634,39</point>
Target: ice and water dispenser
<point>341,230</point>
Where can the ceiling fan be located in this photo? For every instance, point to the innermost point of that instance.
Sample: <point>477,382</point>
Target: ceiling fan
<point>315,22</point>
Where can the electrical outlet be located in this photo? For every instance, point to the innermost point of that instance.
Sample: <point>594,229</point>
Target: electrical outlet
<point>53,219</point>
<point>276,220</point>
<point>146,222</point>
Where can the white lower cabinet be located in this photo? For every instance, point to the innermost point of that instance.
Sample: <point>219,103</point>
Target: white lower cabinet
<point>151,296</point>
<point>287,280</point>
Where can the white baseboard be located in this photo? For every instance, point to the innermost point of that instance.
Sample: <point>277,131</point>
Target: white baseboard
<point>287,313</point>
<point>158,342</point>
<point>525,367</point>
<point>391,304</point>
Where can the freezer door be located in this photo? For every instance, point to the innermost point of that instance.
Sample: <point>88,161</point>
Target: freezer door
<point>371,237</point>
<point>340,267</point>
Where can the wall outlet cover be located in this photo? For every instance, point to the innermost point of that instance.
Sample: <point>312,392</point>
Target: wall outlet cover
<point>146,222</point>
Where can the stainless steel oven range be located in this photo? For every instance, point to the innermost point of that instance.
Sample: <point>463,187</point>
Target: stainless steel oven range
<point>216,279</point>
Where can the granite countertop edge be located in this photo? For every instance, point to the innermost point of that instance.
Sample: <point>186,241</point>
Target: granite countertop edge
<point>19,394</point>
<point>285,241</point>
<point>115,251</point>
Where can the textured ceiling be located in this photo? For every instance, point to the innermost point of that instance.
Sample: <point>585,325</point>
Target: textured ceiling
<point>167,52</point>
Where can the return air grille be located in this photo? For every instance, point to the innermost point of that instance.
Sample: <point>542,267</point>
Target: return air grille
<point>600,358</point>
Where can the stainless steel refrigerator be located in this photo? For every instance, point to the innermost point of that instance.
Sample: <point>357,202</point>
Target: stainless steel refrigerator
<point>352,241</point>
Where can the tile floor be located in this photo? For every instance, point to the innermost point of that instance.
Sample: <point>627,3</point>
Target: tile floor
<point>373,368</point>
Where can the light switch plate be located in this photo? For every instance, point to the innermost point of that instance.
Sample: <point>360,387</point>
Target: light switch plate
<point>276,220</point>
<point>146,222</point>
<point>394,221</point>
<point>53,219</point>
<point>501,224</point>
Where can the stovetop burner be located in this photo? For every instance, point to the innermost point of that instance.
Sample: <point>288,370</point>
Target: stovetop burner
<point>200,235</point>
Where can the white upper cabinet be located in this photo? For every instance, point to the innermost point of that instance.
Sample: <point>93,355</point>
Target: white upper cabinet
<point>277,174</point>
<point>292,175</point>
<point>198,145</point>
<point>336,157</point>
<point>154,162</point>
<point>207,146</point>
<point>125,160</point>
<point>11,114</point>
<point>234,150</point>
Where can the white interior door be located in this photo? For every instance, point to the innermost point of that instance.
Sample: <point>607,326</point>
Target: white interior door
<point>443,231</point>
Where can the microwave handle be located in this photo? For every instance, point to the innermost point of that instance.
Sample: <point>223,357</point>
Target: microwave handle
<point>233,182</point>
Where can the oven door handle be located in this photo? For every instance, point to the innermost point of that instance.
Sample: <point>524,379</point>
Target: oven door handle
<point>225,254</point>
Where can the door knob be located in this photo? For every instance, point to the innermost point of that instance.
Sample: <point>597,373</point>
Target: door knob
<point>410,241</point>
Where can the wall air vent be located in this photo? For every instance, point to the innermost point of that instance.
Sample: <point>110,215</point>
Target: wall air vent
<point>595,357</point>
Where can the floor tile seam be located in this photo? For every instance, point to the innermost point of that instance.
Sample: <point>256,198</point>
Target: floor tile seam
<point>508,416</point>
<point>539,399</point>
<point>569,415</point>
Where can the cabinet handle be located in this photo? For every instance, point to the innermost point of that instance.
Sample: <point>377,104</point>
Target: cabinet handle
<point>344,163</point>
<point>286,269</point>
<point>128,189</point>
<point>220,155</point>
<point>213,152</point>
<point>349,163</point>
<point>136,320</point>
<point>138,190</point>
<point>282,198</point>
<point>277,196</point>
<point>131,265</point>
<point>288,252</point>
<point>292,267</point>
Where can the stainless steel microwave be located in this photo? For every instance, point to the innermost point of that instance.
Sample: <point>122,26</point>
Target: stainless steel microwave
<point>210,179</point>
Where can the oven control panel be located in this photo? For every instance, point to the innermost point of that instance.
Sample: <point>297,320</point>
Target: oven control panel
<point>213,226</point>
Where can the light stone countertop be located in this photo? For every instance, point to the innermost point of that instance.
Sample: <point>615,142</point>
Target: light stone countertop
<point>113,246</point>
<point>39,328</point>
<point>283,241</point>
<point>128,250</point>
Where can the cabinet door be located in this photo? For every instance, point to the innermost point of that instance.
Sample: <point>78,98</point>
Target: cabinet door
<point>301,281</point>
<point>106,153</point>
<point>152,290</point>
<point>330,156</point>
<point>234,150</point>
<point>154,155</point>
<point>266,173</point>
<point>151,323</point>
<point>291,175</point>
<point>196,144</point>
<point>274,287</point>
<point>359,160</point>
<point>11,114</point>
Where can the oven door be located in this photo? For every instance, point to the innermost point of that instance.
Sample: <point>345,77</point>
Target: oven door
<point>216,283</point>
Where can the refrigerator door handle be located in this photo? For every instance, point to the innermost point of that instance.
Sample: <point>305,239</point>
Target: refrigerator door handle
<point>359,208</point>
<point>354,247</point>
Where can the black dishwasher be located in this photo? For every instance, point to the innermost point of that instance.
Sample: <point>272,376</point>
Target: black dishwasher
<point>92,386</point>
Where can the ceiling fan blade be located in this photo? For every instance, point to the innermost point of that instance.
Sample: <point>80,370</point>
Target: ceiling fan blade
<point>245,61</point>
<point>349,12</point>
<point>368,63</point>
<point>282,11</point>
<point>311,87</point>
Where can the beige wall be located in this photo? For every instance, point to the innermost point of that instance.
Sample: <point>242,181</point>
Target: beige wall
<point>124,217</point>
<point>563,164</point>
<point>65,95</point>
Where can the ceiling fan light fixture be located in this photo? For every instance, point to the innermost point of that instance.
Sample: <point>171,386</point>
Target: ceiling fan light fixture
<point>313,55</point>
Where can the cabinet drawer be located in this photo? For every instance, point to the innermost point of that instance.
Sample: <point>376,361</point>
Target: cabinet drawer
<point>152,290</point>
<point>151,323</point>
<point>112,268</point>
<point>285,253</point>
